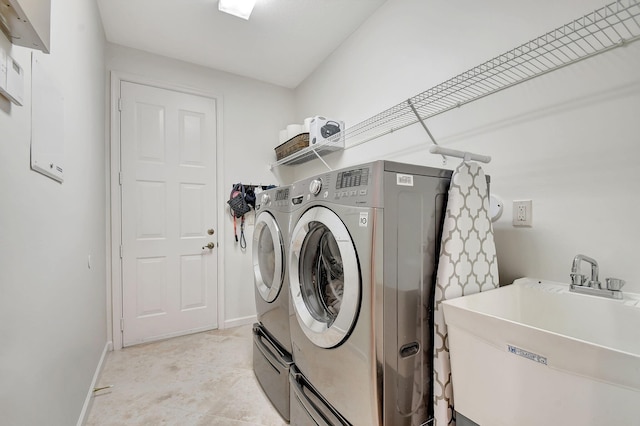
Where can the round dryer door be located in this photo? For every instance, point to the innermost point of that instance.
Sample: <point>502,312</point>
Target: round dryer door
<point>324,277</point>
<point>268,257</point>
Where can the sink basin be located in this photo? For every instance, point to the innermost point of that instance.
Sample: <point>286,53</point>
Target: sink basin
<point>533,353</point>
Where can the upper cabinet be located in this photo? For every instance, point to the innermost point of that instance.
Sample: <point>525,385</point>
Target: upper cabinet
<point>27,22</point>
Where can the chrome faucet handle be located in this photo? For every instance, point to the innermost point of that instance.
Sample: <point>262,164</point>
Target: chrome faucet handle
<point>578,279</point>
<point>615,284</point>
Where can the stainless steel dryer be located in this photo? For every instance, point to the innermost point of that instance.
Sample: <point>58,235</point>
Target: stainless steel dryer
<point>271,337</point>
<point>362,262</point>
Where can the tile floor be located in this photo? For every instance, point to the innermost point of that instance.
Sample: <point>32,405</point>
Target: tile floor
<point>200,379</point>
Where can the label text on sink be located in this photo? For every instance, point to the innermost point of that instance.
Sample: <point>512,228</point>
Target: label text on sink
<point>526,354</point>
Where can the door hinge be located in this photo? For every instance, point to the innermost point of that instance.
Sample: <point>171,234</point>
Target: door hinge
<point>119,104</point>
<point>121,251</point>
<point>121,324</point>
<point>120,178</point>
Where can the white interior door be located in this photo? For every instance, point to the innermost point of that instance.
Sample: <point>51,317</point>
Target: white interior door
<point>169,276</point>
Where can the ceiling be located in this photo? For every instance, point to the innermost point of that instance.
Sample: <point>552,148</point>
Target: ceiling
<point>282,42</point>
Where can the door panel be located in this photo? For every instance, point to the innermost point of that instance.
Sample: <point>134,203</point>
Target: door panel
<point>150,210</point>
<point>152,287</point>
<point>268,257</point>
<point>150,132</point>
<point>192,206</point>
<point>193,283</point>
<point>324,277</point>
<point>168,142</point>
<point>191,142</point>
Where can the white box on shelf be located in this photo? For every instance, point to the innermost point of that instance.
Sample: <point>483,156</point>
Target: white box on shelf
<point>326,132</point>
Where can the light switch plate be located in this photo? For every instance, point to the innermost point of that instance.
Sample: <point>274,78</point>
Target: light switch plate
<point>15,81</point>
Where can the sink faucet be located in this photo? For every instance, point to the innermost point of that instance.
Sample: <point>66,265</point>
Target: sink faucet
<point>593,287</point>
<point>579,279</point>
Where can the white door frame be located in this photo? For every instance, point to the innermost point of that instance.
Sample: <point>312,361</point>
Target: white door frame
<point>114,203</point>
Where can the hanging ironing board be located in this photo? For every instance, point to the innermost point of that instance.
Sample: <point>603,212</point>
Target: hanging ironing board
<point>467,265</point>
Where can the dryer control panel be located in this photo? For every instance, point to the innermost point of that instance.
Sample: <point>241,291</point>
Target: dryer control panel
<point>274,198</point>
<point>282,195</point>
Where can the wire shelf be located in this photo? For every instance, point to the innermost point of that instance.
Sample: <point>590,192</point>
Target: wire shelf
<point>611,26</point>
<point>599,31</point>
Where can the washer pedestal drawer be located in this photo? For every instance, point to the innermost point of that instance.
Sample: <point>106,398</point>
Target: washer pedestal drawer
<point>271,364</point>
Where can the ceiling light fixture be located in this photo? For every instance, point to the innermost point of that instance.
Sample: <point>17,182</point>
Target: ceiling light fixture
<point>240,8</point>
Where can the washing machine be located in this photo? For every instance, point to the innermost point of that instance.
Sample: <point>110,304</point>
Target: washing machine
<point>271,337</point>
<point>362,260</point>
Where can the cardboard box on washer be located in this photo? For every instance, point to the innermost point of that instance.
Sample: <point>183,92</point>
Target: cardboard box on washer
<point>328,132</point>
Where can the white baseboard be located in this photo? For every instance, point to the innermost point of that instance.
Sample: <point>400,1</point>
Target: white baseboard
<point>84,414</point>
<point>236,322</point>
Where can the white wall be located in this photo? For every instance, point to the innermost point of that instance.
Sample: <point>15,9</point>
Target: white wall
<point>253,114</point>
<point>52,306</point>
<point>567,140</point>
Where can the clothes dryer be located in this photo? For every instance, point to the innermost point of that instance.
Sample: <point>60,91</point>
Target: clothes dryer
<point>271,336</point>
<point>362,262</point>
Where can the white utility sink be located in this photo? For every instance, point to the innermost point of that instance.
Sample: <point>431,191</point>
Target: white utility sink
<point>533,353</point>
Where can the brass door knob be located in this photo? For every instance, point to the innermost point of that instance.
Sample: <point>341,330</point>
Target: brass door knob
<point>210,246</point>
<point>211,232</point>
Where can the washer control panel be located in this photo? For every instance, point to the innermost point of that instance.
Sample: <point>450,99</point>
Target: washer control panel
<point>352,178</point>
<point>352,183</point>
<point>350,186</point>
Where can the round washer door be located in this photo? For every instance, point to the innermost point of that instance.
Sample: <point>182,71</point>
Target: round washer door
<point>268,257</point>
<point>324,277</point>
